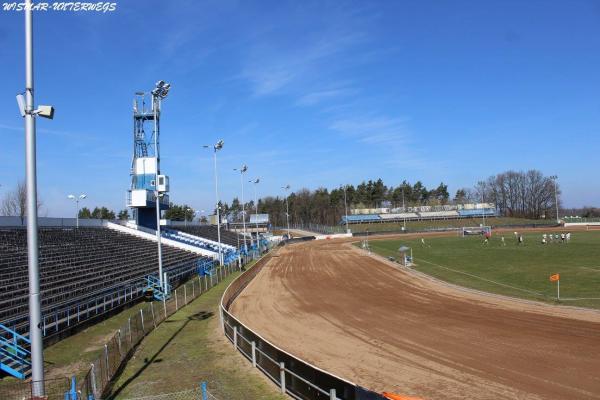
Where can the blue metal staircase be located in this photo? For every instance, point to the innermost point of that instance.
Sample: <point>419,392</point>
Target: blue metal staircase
<point>159,293</point>
<point>206,267</point>
<point>15,354</point>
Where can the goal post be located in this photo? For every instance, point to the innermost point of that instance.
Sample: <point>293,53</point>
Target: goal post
<point>476,230</point>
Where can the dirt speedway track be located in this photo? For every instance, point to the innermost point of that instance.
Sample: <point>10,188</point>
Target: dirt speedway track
<point>388,329</point>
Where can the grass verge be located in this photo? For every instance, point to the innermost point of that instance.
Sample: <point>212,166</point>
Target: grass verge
<point>189,348</point>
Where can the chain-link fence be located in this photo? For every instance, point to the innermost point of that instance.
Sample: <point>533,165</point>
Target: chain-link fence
<point>53,389</point>
<point>117,350</point>
<point>120,346</point>
<point>199,393</point>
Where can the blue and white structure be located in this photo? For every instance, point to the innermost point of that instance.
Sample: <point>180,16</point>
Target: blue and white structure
<point>149,188</point>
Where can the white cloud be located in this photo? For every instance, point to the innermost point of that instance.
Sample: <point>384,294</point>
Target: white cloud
<point>374,130</point>
<point>316,97</point>
<point>270,69</point>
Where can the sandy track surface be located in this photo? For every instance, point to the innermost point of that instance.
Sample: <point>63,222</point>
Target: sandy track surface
<point>389,329</point>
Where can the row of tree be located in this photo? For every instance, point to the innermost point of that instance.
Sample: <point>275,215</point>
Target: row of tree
<point>527,194</point>
<point>102,213</point>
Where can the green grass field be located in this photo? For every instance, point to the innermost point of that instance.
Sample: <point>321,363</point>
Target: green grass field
<point>514,270</point>
<point>446,223</point>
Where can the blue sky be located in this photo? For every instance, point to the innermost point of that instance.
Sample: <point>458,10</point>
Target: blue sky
<point>309,93</point>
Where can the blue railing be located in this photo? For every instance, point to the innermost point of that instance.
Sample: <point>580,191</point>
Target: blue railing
<point>159,292</point>
<point>199,242</point>
<point>205,267</point>
<point>15,357</point>
<point>65,315</point>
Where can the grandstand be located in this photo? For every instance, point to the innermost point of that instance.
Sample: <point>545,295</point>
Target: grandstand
<point>421,213</point>
<point>85,272</point>
<point>210,232</point>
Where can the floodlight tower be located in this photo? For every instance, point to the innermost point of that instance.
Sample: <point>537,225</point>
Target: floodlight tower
<point>148,191</point>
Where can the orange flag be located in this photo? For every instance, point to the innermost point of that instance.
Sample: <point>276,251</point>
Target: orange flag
<point>554,278</point>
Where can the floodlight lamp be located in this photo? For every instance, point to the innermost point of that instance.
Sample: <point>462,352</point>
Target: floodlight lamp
<point>45,112</point>
<point>21,103</point>
<point>244,168</point>
<point>83,196</point>
<point>160,84</point>
<point>219,145</point>
<point>71,197</point>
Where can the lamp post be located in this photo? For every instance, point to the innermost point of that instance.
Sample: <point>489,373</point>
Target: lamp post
<point>158,93</point>
<point>26,107</point>
<point>346,209</point>
<point>555,178</point>
<point>287,208</point>
<point>255,182</point>
<point>243,170</point>
<point>482,186</point>
<point>403,209</point>
<point>216,147</point>
<point>77,199</point>
<point>185,215</point>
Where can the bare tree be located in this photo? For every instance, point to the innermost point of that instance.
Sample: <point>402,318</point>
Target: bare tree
<point>14,203</point>
<point>522,194</point>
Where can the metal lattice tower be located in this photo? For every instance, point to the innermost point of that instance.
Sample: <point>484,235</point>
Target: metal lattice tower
<point>146,180</point>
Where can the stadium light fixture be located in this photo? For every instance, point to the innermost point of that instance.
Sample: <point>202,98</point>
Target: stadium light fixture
<point>555,178</point>
<point>287,208</point>
<point>256,182</point>
<point>42,111</point>
<point>216,147</point>
<point>76,199</point>
<point>243,170</point>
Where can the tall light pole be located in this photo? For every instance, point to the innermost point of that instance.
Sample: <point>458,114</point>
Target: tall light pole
<point>255,182</point>
<point>26,107</point>
<point>216,147</point>
<point>287,208</point>
<point>403,209</point>
<point>243,170</point>
<point>482,186</point>
<point>346,208</point>
<point>555,178</point>
<point>77,199</point>
<point>185,215</point>
<point>158,93</point>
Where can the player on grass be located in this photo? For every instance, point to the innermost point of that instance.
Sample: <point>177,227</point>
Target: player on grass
<point>502,240</point>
